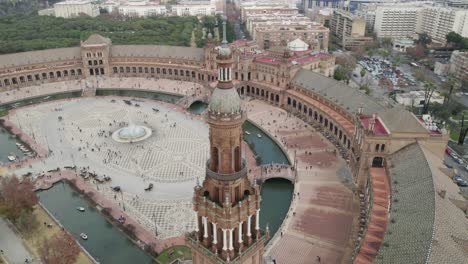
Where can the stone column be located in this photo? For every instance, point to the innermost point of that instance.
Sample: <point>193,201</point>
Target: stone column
<point>231,238</point>
<point>196,226</point>
<point>257,220</point>
<point>249,222</point>
<point>205,226</point>
<point>240,233</point>
<point>224,239</point>
<point>215,235</point>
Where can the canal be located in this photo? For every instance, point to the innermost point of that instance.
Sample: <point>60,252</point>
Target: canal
<point>8,146</point>
<point>105,243</point>
<point>276,193</point>
<point>39,99</point>
<point>160,96</point>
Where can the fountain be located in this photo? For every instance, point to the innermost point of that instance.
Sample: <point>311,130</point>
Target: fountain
<point>131,133</point>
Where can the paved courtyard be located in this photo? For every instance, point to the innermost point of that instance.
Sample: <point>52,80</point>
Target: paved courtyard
<point>172,158</point>
<point>320,220</point>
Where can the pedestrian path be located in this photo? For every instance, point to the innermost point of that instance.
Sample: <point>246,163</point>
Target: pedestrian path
<point>13,248</point>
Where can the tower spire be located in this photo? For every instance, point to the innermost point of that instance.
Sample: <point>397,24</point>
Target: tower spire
<point>224,42</point>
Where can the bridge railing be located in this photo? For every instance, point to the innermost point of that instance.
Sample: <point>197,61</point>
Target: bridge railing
<point>273,170</point>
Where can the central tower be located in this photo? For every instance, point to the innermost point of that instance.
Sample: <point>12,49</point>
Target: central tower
<point>227,204</point>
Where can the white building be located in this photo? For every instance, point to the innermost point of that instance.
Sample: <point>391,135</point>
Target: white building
<point>397,21</point>
<point>416,98</point>
<point>75,8</point>
<point>406,20</point>
<point>437,22</point>
<point>194,10</point>
<point>142,9</point>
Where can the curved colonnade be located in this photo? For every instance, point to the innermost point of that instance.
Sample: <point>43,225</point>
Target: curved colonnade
<point>360,128</point>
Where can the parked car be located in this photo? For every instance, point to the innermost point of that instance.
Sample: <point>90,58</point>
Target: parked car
<point>460,181</point>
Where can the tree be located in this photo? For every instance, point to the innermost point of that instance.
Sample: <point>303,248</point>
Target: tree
<point>424,39</point>
<point>450,85</point>
<point>27,222</point>
<point>362,73</point>
<point>386,43</point>
<point>346,65</point>
<point>16,196</point>
<point>454,39</point>
<point>340,74</point>
<point>59,249</point>
<point>419,75</point>
<point>418,51</point>
<point>429,89</point>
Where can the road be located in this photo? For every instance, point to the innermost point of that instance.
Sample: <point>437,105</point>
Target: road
<point>459,170</point>
<point>12,245</point>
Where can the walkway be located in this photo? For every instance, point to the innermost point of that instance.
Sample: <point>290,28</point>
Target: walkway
<point>13,248</point>
<point>377,225</point>
<point>321,218</point>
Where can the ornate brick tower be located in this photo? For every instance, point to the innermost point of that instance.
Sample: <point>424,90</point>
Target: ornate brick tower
<point>227,205</point>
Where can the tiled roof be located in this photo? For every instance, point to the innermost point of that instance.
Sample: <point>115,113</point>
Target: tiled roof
<point>39,56</point>
<point>157,51</point>
<point>409,233</point>
<point>400,120</point>
<point>338,92</point>
<point>96,39</point>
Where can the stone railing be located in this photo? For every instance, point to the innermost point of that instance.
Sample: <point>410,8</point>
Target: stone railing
<point>226,177</point>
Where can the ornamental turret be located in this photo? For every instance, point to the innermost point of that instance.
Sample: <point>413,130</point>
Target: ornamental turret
<point>227,204</point>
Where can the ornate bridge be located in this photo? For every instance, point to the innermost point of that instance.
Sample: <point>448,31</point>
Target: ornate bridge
<point>186,101</point>
<point>281,171</point>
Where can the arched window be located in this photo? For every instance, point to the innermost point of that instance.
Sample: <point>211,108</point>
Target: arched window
<point>377,146</point>
<point>382,148</point>
<point>214,159</point>
<point>237,159</point>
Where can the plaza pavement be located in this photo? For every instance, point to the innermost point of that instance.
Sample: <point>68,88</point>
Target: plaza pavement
<point>172,158</point>
<point>321,218</point>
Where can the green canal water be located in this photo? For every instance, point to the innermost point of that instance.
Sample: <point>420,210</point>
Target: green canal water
<point>105,243</point>
<point>7,146</point>
<point>197,107</point>
<point>276,193</point>
<point>39,99</point>
<point>160,96</point>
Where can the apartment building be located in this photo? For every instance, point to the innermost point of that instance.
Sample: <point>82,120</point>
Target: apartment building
<point>349,29</point>
<point>194,10</point>
<point>69,9</point>
<point>406,20</point>
<point>253,20</point>
<point>316,36</point>
<point>313,4</point>
<point>274,8</point>
<point>437,22</point>
<point>459,65</point>
<point>397,21</point>
<point>141,9</point>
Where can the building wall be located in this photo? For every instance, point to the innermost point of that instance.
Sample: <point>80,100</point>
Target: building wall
<point>142,11</point>
<point>396,21</point>
<point>74,9</point>
<point>459,65</point>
